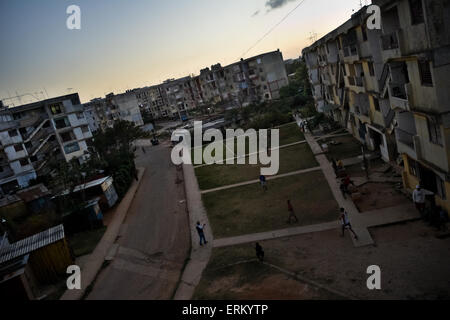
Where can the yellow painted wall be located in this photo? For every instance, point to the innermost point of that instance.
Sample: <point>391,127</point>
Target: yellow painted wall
<point>410,182</point>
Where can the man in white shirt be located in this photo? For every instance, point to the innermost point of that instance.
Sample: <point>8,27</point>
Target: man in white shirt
<point>346,223</point>
<point>419,196</point>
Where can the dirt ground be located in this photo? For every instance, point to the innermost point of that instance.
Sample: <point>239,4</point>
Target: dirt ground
<point>255,281</point>
<point>413,262</point>
<point>377,196</point>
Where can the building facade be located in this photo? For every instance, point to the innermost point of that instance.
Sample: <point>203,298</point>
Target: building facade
<point>389,86</point>
<point>32,135</point>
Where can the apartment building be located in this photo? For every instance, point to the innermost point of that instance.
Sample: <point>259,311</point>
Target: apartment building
<point>416,54</point>
<point>388,86</point>
<point>252,80</point>
<point>153,100</point>
<point>31,135</point>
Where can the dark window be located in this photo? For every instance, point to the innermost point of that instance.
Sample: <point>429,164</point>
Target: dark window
<point>80,115</point>
<point>13,133</point>
<point>425,73</point>
<point>417,15</point>
<point>18,147</point>
<point>67,136</point>
<point>376,104</point>
<point>28,145</point>
<point>441,188</point>
<point>62,123</point>
<point>412,167</point>
<point>85,129</point>
<point>24,162</point>
<point>33,158</point>
<point>435,131</point>
<point>371,69</point>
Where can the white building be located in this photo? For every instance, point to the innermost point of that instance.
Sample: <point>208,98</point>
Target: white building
<point>34,134</point>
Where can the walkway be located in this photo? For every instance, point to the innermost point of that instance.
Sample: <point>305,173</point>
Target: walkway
<point>250,154</point>
<point>257,181</point>
<point>199,255</point>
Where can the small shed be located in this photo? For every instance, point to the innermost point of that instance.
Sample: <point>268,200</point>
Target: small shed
<point>36,197</point>
<point>48,256</point>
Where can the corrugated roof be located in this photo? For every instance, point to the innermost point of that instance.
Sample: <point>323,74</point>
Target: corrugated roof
<point>33,193</point>
<point>32,243</point>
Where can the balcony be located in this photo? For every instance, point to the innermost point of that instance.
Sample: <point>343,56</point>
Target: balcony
<point>400,94</point>
<point>391,45</point>
<point>351,54</point>
<point>408,143</point>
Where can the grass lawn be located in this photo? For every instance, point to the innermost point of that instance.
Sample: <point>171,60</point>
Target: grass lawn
<point>247,209</point>
<point>288,134</point>
<point>349,147</point>
<point>85,242</point>
<point>292,158</point>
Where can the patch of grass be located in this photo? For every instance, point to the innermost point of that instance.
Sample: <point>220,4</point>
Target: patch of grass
<point>292,158</point>
<point>247,209</point>
<point>290,133</point>
<point>85,242</point>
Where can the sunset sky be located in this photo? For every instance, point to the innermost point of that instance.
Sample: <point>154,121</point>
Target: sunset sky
<point>124,44</point>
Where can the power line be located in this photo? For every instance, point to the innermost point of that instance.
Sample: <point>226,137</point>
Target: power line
<point>273,28</point>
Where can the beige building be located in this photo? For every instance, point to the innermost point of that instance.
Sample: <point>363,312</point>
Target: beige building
<point>389,86</point>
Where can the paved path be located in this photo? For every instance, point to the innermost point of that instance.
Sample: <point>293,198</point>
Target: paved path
<point>199,255</point>
<point>257,181</point>
<point>250,154</point>
<point>93,262</point>
<point>150,251</point>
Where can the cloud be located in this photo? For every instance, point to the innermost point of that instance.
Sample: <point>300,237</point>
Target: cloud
<point>275,4</point>
<point>256,13</point>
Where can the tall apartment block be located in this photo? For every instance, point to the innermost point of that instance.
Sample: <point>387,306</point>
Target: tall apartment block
<point>389,87</point>
<point>32,135</point>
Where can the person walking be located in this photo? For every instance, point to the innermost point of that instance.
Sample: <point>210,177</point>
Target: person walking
<point>291,212</point>
<point>334,164</point>
<point>259,252</point>
<point>419,199</point>
<point>346,223</point>
<point>263,181</point>
<point>201,233</point>
<point>143,150</point>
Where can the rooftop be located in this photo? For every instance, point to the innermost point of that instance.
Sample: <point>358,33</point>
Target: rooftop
<point>33,243</point>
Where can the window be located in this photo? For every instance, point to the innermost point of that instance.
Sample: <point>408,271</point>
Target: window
<point>80,115</point>
<point>71,148</point>
<point>62,123</point>
<point>371,69</point>
<point>24,162</point>
<point>435,131</point>
<point>28,145</point>
<point>85,129</point>
<point>33,159</point>
<point>416,11</point>
<point>441,188</point>
<point>18,147</point>
<point>376,104</point>
<point>56,108</point>
<point>412,167</point>
<point>425,73</point>
<point>13,133</point>
<point>67,136</point>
